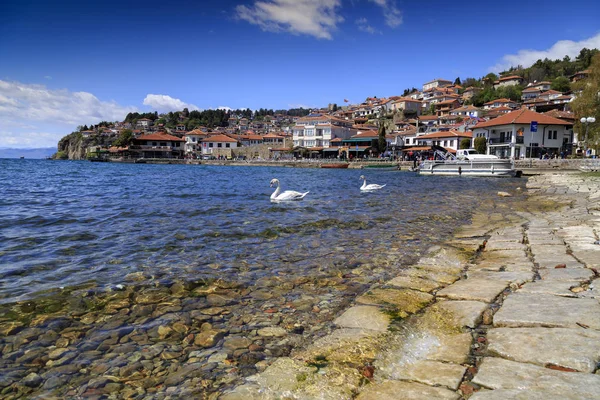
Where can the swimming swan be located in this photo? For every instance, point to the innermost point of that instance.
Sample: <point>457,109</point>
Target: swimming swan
<point>288,195</point>
<point>372,186</point>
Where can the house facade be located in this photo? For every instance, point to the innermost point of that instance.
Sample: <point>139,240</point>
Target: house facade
<point>218,145</point>
<point>157,145</point>
<point>435,83</point>
<point>410,106</point>
<point>511,134</point>
<point>511,80</point>
<point>450,140</point>
<point>317,130</point>
<point>490,105</point>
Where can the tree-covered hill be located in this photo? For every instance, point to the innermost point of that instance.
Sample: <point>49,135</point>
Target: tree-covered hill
<point>558,72</point>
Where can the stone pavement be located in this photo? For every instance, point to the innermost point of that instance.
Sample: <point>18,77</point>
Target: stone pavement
<point>510,309</point>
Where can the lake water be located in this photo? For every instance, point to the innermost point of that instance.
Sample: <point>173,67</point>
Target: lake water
<point>67,223</point>
<point>163,275</point>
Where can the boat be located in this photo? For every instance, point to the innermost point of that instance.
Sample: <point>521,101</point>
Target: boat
<point>467,163</point>
<point>335,165</point>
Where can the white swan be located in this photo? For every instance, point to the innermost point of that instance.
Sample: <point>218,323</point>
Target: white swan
<point>288,195</point>
<point>370,187</point>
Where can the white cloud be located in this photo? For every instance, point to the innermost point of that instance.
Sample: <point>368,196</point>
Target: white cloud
<point>31,102</point>
<point>33,115</point>
<point>559,50</point>
<point>316,18</point>
<point>30,139</point>
<point>363,25</point>
<point>391,12</point>
<point>164,103</point>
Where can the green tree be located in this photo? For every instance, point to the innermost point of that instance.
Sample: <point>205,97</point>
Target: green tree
<point>465,143</point>
<point>125,138</point>
<point>381,142</point>
<point>457,81</point>
<point>480,145</point>
<point>490,78</point>
<point>587,103</point>
<point>561,83</point>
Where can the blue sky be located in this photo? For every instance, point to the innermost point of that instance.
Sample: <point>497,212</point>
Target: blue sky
<point>69,63</point>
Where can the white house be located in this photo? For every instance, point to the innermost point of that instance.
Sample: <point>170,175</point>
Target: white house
<point>450,140</point>
<point>317,130</point>
<point>511,134</point>
<point>466,111</point>
<point>435,83</point>
<point>499,103</point>
<point>214,143</point>
<point>193,141</point>
<point>144,123</point>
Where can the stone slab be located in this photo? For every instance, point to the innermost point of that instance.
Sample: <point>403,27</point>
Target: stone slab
<point>545,241</point>
<point>499,245</point>
<point>496,373</point>
<point>344,345</point>
<point>395,390</point>
<point>532,310</point>
<point>437,276</point>
<point>516,394</point>
<point>414,282</point>
<point>549,287</point>
<point>455,314</point>
<point>452,348</point>
<point>474,289</point>
<point>433,373</point>
<point>504,254</point>
<point>498,266</point>
<point>515,278</point>
<point>566,274</point>
<point>578,349</point>
<point>407,300</point>
<point>363,317</point>
<point>550,263</point>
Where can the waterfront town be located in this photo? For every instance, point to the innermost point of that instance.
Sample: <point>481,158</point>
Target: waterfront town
<point>538,125</point>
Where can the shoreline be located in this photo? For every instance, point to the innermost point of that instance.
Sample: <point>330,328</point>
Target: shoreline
<point>445,327</point>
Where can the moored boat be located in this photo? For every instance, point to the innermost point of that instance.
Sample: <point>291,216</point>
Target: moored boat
<point>468,163</point>
<point>490,167</point>
<point>335,165</point>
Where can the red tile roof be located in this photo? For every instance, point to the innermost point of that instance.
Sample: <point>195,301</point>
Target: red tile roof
<point>370,133</point>
<point>446,134</point>
<point>531,89</point>
<point>160,136</point>
<point>428,118</point>
<point>522,116</point>
<point>219,138</point>
<point>509,78</point>
<point>503,100</point>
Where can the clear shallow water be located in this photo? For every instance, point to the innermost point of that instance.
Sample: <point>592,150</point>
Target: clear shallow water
<point>65,224</point>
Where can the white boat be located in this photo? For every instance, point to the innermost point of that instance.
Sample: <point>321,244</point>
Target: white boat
<point>468,163</point>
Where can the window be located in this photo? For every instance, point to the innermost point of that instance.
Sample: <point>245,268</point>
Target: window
<point>227,144</point>
<point>549,134</point>
<point>210,144</point>
<point>219,145</point>
<point>555,135</point>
